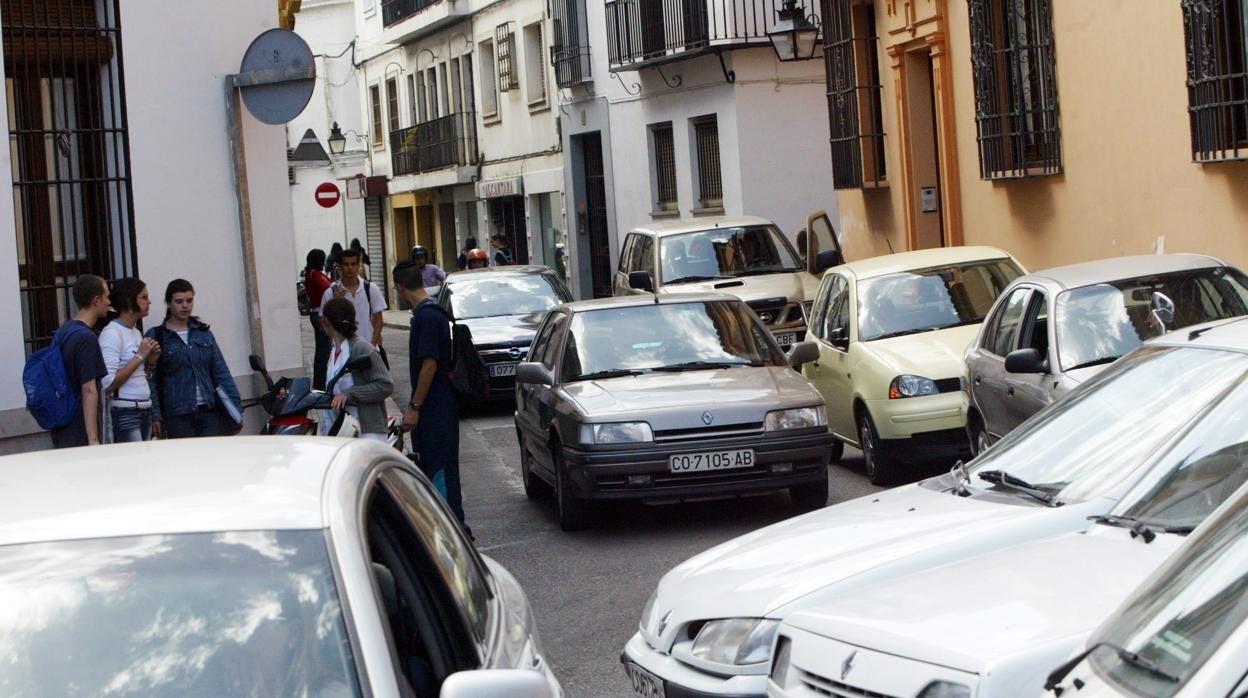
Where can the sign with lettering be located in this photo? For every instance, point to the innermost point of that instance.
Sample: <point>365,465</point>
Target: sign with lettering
<point>494,188</point>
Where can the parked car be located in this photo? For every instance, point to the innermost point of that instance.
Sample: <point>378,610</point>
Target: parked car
<point>711,623</point>
<point>250,566</point>
<point>1183,633</point>
<point>502,306</point>
<point>1020,361</point>
<point>746,256</point>
<point>891,332</point>
<point>666,397</point>
<point>994,626</point>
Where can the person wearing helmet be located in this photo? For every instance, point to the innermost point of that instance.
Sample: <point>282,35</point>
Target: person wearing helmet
<point>431,273</point>
<point>477,259</point>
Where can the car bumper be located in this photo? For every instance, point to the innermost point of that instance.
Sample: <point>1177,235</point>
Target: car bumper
<point>682,681</point>
<point>904,418</point>
<point>780,461</point>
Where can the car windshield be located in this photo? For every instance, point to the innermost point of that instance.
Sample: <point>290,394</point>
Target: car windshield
<point>503,294</point>
<point>666,336</point>
<point>1082,445</point>
<point>1097,324</point>
<point>726,253</point>
<point>1183,613</point>
<point>931,299</point>
<point>207,614</point>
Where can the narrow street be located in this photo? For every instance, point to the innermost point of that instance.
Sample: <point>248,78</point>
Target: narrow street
<point>588,588</point>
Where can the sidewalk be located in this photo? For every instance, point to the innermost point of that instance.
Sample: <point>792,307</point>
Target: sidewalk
<point>396,319</point>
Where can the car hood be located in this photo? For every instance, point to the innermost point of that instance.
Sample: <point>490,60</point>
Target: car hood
<point>936,354</point>
<point>766,572</point>
<point>999,610</point>
<point>677,400</point>
<point>797,285</point>
<point>503,330</point>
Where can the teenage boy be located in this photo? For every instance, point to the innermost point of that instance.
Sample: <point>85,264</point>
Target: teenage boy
<point>84,364</point>
<point>431,413</point>
<point>369,300</point>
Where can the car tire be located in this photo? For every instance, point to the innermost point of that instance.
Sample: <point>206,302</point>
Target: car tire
<point>535,488</point>
<point>880,469</point>
<point>837,451</point>
<point>573,511</point>
<point>812,495</point>
<point>980,441</point>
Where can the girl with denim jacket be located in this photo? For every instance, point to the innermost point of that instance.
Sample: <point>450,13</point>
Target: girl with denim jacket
<point>191,368</point>
<point>127,355</point>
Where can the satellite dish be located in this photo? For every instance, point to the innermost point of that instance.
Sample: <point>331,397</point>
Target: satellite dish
<point>277,76</point>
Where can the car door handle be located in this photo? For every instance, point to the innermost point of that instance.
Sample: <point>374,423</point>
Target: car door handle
<point>979,378</point>
<point>1010,391</point>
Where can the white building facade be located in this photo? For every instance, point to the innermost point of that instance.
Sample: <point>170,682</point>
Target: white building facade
<point>120,167</point>
<point>680,109</point>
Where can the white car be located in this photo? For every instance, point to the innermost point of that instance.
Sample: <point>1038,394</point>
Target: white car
<point>251,566</point>
<point>997,624</point>
<point>1181,634</point>
<point>711,623</point>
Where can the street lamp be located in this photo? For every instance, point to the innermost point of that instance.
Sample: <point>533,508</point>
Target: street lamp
<point>338,140</point>
<point>793,37</point>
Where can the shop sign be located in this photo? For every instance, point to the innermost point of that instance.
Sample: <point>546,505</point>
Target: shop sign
<point>495,188</point>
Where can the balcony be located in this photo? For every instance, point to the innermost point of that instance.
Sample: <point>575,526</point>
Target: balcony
<point>642,33</point>
<point>571,65</point>
<point>395,11</point>
<point>406,20</point>
<point>444,142</point>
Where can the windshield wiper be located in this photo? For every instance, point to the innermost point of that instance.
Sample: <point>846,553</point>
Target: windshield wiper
<point>765,270</point>
<point>1141,529</point>
<point>1126,655</point>
<point>1000,477</point>
<point>687,365</point>
<point>1097,362</point>
<point>693,279</point>
<point>610,373</point>
<point>900,333</point>
<point>960,478</point>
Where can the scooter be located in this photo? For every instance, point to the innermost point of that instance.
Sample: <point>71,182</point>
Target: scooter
<point>291,404</point>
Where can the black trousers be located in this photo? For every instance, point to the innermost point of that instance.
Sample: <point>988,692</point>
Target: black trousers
<point>320,359</point>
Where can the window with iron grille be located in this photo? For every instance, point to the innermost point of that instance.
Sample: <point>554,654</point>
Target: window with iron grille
<point>664,167</point>
<point>1016,108</point>
<point>505,52</point>
<point>569,49</point>
<point>374,98</point>
<point>852,70</point>
<point>706,144</point>
<point>66,103</point>
<point>1217,78</point>
<point>392,103</point>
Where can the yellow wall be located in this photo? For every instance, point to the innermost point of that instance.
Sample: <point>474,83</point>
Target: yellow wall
<point>1128,175</point>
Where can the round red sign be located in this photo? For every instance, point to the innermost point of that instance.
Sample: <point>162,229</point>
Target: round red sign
<point>327,195</point>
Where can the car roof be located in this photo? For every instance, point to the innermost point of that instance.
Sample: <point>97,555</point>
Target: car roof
<point>692,226</point>
<point>920,259</point>
<point>510,270</point>
<point>1116,268</point>
<point>238,483</point>
<point>1228,335</point>
<point>646,299</point>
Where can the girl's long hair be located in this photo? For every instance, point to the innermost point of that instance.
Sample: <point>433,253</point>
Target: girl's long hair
<point>181,286</point>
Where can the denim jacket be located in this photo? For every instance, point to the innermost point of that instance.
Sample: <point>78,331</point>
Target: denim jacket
<point>181,367</point>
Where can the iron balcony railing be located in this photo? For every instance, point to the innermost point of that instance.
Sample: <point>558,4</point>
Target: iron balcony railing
<point>644,32</point>
<point>395,11</point>
<point>571,65</point>
<point>443,142</point>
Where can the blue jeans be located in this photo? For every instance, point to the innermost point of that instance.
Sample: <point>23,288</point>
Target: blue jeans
<point>131,424</point>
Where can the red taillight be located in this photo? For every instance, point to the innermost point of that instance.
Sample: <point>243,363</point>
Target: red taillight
<point>294,420</point>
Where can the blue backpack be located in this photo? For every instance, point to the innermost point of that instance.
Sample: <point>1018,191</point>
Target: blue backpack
<point>52,401</point>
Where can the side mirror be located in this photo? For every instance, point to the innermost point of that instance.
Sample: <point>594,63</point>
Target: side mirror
<point>533,373</point>
<point>1026,361</point>
<point>838,337</point>
<point>497,683</point>
<point>803,353</point>
<point>828,259</point>
<point>257,363</point>
<point>641,280</point>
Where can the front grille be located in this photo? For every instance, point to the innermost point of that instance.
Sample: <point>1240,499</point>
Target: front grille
<point>772,311</point>
<point>827,687</point>
<point>758,473</point>
<point>709,432</point>
<point>503,356</point>
<point>948,385</point>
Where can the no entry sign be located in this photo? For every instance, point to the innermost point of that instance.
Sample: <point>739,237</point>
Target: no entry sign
<point>327,194</point>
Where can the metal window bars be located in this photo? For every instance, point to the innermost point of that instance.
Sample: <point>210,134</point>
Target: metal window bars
<point>1217,78</point>
<point>569,50</point>
<point>1016,105</point>
<point>664,167</point>
<point>442,142</point>
<point>395,11</point>
<point>505,54</point>
<point>852,70</point>
<point>70,159</point>
<point>710,180</point>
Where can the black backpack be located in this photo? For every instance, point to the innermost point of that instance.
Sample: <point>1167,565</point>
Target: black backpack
<point>470,379</point>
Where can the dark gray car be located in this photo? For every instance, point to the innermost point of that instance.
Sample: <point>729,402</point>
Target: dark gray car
<point>666,398</point>
<point>1052,330</point>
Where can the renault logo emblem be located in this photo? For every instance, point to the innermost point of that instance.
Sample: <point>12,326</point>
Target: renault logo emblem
<point>707,418</point>
<point>848,664</point>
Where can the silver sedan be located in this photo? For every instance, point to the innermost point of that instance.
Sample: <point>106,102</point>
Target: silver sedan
<point>666,398</point>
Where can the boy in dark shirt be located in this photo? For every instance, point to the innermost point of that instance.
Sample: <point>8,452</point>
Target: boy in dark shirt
<point>84,364</point>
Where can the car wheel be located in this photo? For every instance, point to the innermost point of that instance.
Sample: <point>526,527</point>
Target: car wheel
<point>837,451</point>
<point>813,495</point>
<point>534,487</point>
<point>979,437</point>
<point>573,511</point>
<point>880,470</point>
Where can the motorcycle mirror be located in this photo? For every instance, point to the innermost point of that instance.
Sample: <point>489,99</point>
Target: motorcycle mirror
<point>257,363</point>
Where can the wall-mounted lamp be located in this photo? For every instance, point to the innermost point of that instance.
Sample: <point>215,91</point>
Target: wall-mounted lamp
<point>338,140</point>
<point>794,36</point>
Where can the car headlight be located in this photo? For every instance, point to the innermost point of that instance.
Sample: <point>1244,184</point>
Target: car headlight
<point>735,641</point>
<point>620,433</point>
<point>911,386</point>
<point>945,689</point>
<point>780,666</point>
<point>800,418</point>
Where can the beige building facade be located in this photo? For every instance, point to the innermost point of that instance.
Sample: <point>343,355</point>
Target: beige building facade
<point>1059,130</point>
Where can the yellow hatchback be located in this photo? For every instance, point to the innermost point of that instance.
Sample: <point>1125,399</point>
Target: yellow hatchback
<point>892,332</point>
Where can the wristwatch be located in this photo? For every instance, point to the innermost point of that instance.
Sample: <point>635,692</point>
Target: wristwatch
<point>414,405</point>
